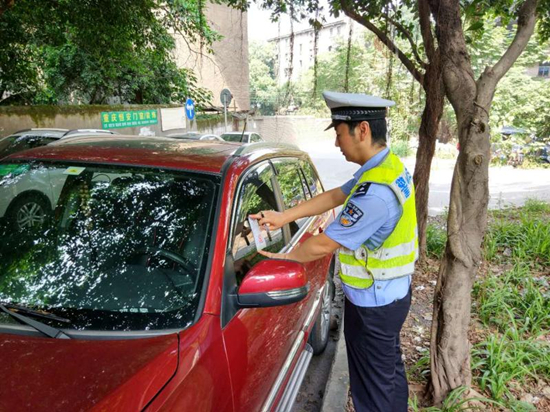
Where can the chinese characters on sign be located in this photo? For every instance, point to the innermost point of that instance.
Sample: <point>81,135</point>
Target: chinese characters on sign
<point>117,120</point>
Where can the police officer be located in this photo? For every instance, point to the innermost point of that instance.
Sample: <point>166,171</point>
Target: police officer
<point>375,238</point>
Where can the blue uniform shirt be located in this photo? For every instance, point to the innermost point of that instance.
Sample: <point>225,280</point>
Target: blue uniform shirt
<point>376,214</point>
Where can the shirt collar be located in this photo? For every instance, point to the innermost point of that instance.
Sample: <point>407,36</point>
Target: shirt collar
<point>372,162</point>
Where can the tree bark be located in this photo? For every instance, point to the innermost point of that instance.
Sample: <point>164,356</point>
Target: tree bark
<point>466,225</point>
<point>427,134</point>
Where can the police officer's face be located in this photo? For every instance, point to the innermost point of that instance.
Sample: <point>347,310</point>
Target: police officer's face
<point>347,143</point>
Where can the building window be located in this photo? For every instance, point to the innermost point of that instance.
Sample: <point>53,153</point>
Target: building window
<point>544,70</point>
<point>338,30</point>
<point>329,48</point>
<point>331,31</point>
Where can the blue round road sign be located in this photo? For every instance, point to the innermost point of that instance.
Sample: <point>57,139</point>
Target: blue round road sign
<point>190,109</point>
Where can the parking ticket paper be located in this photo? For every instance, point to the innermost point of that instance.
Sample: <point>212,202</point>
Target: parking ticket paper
<point>74,170</point>
<point>258,238</point>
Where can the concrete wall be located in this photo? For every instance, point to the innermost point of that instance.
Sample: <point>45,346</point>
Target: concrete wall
<point>13,119</point>
<point>227,67</point>
<point>297,130</point>
<point>291,129</point>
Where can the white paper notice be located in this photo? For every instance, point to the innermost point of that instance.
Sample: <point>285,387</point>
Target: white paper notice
<point>173,118</point>
<point>258,238</point>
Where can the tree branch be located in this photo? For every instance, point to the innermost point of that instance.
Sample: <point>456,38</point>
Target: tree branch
<point>407,34</point>
<point>526,26</point>
<point>426,29</point>
<point>384,39</point>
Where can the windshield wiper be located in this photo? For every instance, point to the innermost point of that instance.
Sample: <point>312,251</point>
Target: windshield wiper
<point>36,313</point>
<point>39,326</point>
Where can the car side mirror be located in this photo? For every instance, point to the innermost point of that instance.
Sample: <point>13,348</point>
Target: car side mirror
<point>273,282</point>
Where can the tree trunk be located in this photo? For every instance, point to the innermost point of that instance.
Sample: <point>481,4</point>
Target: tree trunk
<point>450,348</point>
<point>471,100</point>
<point>431,116</point>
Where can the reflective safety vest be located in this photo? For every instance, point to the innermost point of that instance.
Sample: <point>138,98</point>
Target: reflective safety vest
<point>395,257</point>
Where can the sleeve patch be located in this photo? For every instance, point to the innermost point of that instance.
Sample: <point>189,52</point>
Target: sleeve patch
<point>350,215</point>
<point>361,190</point>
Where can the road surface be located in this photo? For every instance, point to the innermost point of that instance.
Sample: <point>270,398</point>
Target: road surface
<point>507,185</point>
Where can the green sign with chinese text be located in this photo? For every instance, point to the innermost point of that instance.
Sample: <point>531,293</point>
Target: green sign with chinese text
<point>117,120</point>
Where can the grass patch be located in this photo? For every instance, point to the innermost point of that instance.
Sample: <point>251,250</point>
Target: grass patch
<point>436,239</point>
<point>515,299</point>
<point>455,402</point>
<point>513,302</point>
<point>499,360</point>
<point>511,299</point>
<point>521,235</point>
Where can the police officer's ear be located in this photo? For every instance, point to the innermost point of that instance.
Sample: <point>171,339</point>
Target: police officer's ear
<point>364,132</point>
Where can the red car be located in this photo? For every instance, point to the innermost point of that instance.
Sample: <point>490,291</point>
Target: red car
<point>142,288</point>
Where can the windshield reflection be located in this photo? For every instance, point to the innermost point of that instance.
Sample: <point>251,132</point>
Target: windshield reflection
<point>108,248</point>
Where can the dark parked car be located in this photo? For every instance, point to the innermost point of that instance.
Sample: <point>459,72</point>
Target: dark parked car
<point>142,289</point>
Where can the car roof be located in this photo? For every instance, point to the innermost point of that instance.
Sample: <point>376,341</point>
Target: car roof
<point>204,155</point>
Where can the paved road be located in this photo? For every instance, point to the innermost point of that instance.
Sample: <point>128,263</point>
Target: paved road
<point>506,184</point>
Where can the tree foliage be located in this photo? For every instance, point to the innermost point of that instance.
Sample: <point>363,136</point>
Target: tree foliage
<point>265,94</point>
<point>98,51</point>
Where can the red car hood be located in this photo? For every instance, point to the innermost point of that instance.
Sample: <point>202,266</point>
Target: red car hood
<point>75,375</point>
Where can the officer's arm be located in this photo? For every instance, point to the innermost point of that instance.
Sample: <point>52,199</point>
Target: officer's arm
<point>313,207</point>
<point>313,248</point>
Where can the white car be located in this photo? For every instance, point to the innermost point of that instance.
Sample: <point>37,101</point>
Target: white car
<point>195,136</point>
<point>240,137</point>
<point>32,193</point>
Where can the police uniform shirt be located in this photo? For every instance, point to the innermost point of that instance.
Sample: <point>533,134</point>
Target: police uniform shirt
<point>369,217</point>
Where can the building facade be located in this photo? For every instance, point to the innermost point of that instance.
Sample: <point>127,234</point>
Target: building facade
<point>303,53</point>
<point>227,66</point>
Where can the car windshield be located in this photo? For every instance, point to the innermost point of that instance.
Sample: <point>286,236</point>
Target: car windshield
<point>232,137</point>
<point>112,248</point>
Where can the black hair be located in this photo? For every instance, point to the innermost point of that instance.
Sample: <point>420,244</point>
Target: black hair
<point>378,129</point>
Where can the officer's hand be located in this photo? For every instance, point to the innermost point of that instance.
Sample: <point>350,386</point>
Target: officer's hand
<point>273,255</point>
<point>273,220</point>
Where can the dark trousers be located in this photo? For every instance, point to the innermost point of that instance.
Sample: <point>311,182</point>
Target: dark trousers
<point>377,374</point>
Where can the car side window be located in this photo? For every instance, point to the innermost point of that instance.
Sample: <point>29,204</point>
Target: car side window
<point>292,188</point>
<point>256,193</point>
<point>313,182</point>
<point>255,138</point>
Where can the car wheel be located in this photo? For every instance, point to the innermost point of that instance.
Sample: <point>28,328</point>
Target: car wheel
<point>318,338</point>
<point>29,212</point>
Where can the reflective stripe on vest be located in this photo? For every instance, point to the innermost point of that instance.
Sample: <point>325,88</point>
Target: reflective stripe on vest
<point>398,253</point>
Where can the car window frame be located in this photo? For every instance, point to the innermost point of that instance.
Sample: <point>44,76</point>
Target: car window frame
<point>294,240</point>
<point>229,307</point>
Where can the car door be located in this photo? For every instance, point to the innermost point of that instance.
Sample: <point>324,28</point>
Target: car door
<point>260,343</point>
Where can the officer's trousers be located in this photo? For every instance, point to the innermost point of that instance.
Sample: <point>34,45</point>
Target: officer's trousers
<point>377,375</point>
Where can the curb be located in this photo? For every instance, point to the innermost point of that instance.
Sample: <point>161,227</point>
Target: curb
<point>337,388</point>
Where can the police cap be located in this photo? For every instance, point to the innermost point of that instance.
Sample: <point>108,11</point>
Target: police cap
<point>354,107</point>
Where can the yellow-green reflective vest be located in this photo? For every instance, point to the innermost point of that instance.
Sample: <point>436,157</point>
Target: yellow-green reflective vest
<point>395,257</point>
